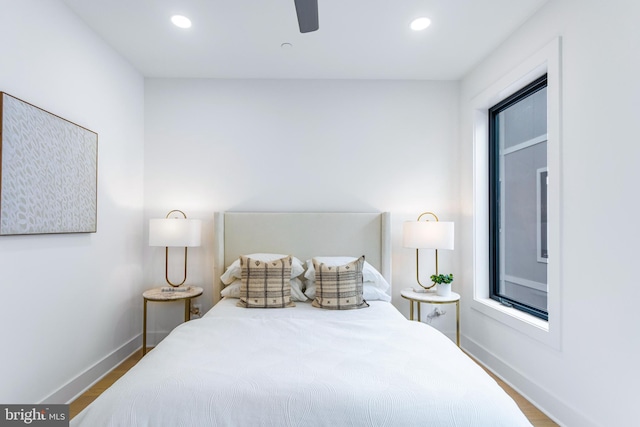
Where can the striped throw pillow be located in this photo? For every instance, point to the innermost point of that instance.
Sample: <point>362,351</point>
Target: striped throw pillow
<point>265,284</point>
<point>339,287</point>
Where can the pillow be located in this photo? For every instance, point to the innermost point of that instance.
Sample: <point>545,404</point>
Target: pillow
<point>233,290</point>
<point>265,284</point>
<point>371,293</point>
<point>339,287</point>
<point>371,276</point>
<point>233,272</point>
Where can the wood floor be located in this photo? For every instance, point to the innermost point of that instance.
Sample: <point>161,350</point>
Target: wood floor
<point>90,395</point>
<point>535,416</point>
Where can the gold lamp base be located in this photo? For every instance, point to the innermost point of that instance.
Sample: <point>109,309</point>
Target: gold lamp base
<point>425,288</point>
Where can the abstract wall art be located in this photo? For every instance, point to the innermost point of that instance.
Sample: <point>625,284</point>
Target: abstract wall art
<point>48,172</point>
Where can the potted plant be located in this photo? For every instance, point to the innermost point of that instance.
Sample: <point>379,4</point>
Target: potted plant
<point>444,283</point>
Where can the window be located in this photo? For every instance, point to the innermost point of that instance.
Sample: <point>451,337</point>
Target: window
<point>518,181</point>
<point>544,329</point>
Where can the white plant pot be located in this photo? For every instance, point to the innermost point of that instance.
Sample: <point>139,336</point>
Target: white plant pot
<point>443,289</point>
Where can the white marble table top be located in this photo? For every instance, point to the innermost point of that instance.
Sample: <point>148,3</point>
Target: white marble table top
<point>166,293</point>
<point>428,296</point>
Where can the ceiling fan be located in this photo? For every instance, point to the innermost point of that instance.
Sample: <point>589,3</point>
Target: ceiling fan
<point>307,11</point>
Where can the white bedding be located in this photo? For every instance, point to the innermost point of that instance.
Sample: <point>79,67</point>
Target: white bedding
<point>304,366</point>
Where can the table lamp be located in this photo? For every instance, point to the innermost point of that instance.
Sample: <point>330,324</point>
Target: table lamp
<point>176,231</point>
<point>427,235</point>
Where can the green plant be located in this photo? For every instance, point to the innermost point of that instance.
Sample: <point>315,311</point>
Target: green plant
<point>442,278</point>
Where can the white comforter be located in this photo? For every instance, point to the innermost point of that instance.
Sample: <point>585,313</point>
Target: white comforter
<point>304,366</point>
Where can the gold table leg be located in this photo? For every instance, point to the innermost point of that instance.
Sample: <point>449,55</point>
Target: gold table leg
<point>187,309</point>
<point>458,323</point>
<point>411,309</point>
<point>144,329</point>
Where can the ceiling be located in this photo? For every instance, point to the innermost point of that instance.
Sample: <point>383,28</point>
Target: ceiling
<point>357,39</point>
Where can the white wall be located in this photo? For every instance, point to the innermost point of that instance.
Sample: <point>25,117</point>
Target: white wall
<point>592,379</point>
<point>71,301</point>
<point>301,145</point>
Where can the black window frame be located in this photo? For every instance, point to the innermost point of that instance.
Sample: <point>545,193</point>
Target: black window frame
<point>494,198</point>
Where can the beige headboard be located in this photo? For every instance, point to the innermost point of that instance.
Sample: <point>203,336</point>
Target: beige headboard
<point>303,235</point>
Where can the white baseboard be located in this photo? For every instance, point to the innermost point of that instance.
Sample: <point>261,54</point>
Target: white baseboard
<point>83,381</point>
<point>543,399</point>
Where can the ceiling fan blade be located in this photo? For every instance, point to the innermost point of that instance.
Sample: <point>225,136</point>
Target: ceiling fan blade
<point>307,11</point>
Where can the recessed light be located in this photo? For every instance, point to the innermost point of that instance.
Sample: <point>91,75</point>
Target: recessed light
<point>181,21</point>
<point>420,24</point>
<point>286,45</point>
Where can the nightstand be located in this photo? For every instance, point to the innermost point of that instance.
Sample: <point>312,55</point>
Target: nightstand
<point>160,295</point>
<point>430,297</point>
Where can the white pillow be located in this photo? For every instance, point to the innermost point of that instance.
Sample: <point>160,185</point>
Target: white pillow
<point>372,278</point>
<point>233,290</point>
<point>371,293</point>
<point>234,271</point>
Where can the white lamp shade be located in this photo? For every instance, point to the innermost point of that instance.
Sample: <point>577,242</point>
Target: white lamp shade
<point>428,235</point>
<point>175,232</point>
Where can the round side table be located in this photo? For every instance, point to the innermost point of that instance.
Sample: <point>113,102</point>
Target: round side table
<point>430,297</point>
<point>164,294</point>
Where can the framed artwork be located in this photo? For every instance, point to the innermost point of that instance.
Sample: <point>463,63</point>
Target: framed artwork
<point>48,172</point>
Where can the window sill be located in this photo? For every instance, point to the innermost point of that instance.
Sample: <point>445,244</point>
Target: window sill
<point>489,306</point>
<point>525,323</point>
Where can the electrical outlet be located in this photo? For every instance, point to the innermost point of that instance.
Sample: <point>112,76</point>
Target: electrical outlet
<point>437,312</point>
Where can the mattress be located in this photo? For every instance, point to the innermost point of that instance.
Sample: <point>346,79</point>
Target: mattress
<point>304,366</point>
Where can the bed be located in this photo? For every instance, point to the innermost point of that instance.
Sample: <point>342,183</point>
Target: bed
<point>303,365</point>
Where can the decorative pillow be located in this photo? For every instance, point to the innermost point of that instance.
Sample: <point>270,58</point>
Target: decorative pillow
<point>265,284</point>
<point>339,287</point>
<point>234,271</point>
<point>233,290</point>
<point>371,276</point>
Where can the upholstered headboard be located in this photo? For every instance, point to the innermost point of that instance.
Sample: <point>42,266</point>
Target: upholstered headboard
<point>303,235</point>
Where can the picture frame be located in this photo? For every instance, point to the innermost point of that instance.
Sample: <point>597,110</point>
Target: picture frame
<point>48,172</point>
